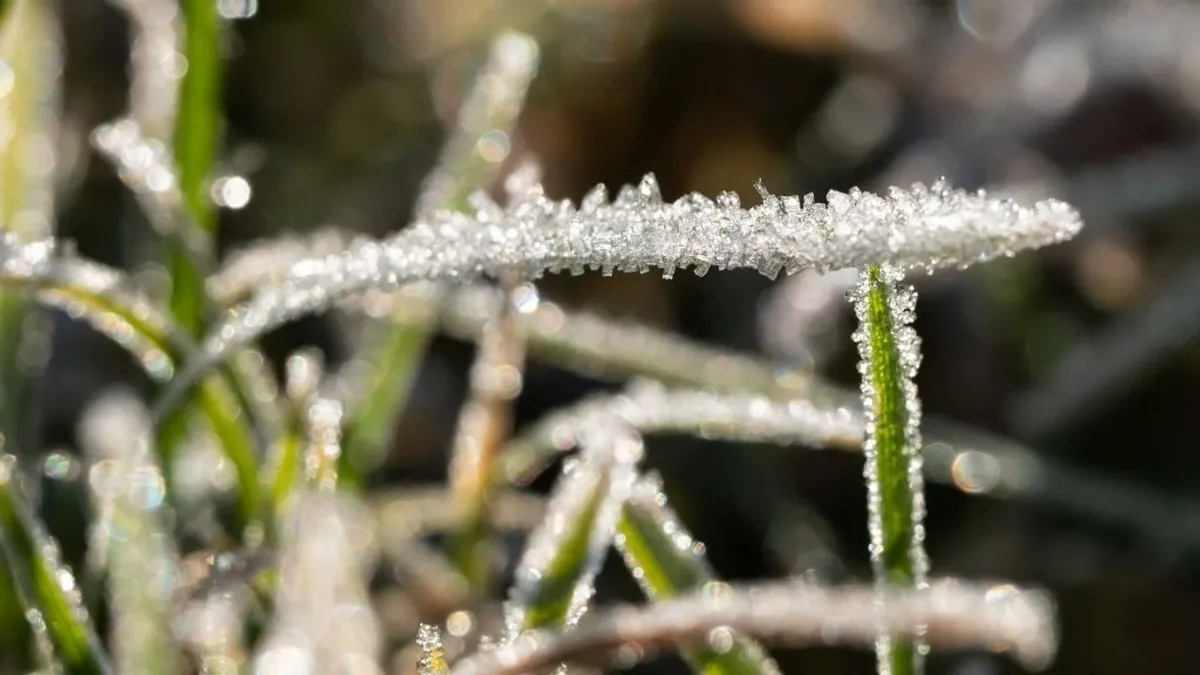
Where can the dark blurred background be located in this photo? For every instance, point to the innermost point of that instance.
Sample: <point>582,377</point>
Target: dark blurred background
<point>1087,353</point>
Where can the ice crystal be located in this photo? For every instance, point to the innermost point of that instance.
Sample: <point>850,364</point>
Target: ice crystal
<point>953,614</point>
<point>920,227</point>
<point>567,549</point>
<point>324,418</point>
<point>649,407</point>
<point>433,655</point>
<point>45,586</point>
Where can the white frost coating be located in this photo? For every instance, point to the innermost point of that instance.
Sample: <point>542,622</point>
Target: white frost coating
<point>58,282</point>
<point>649,407</point>
<point>902,303</point>
<point>146,166</point>
<point>1000,617</point>
<point>604,476</point>
<point>156,64</point>
<point>268,262</point>
<point>920,227</point>
<point>323,621</point>
<point>324,419</point>
<point>128,539</point>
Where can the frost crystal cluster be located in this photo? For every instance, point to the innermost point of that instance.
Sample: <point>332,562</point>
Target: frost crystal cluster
<point>916,228</point>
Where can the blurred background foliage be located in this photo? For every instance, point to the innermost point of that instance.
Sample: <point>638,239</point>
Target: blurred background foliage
<point>1088,353</point>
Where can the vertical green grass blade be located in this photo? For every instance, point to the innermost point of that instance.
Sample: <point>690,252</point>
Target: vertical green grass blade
<point>374,418</point>
<point>890,351</point>
<point>197,133</point>
<point>44,585</point>
<point>666,561</point>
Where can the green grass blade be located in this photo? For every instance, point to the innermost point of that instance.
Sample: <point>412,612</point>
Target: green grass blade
<point>373,419</point>
<point>666,561</point>
<point>197,133</point>
<point>45,586</point>
<point>890,351</point>
<point>554,581</point>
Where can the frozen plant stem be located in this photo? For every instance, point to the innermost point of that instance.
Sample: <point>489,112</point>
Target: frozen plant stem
<point>890,351</point>
<point>483,428</point>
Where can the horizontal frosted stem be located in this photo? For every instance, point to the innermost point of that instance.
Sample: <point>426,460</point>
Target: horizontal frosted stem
<point>920,227</point>
<point>953,614</point>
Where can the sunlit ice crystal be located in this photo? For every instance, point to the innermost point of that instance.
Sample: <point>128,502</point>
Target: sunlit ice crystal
<point>915,228</point>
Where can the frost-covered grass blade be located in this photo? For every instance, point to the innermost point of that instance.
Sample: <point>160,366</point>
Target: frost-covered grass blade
<point>891,353</point>
<point>920,227</point>
<point>666,561</point>
<point>554,580</point>
<point>949,614</point>
<point>47,588</point>
<point>130,535</point>
<point>648,407</point>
